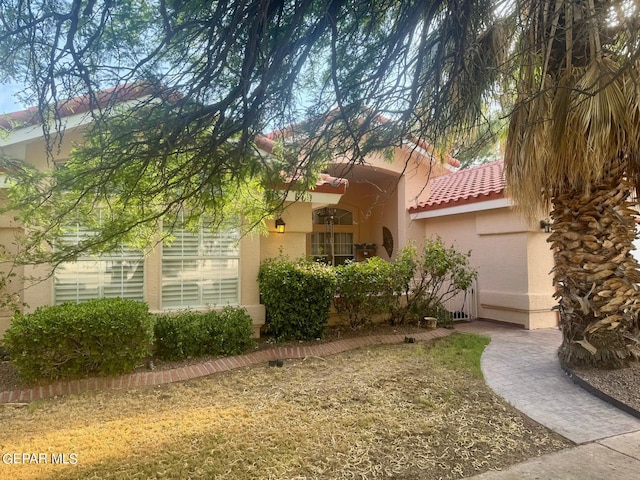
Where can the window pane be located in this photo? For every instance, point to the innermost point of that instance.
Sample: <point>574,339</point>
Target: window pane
<point>343,217</point>
<point>337,216</point>
<point>184,245</point>
<point>124,279</point>
<point>340,250</point>
<point>77,281</point>
<point>343,243</point>
<point>202,269</point>
<point>119,273</point>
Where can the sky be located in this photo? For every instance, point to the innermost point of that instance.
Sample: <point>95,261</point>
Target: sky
<point>8,103</point>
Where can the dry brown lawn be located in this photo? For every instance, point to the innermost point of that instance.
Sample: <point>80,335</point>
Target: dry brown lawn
<point>384,412</point>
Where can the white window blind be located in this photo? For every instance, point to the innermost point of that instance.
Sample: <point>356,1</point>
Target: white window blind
<point>201,268</point>
<point>119,273</point>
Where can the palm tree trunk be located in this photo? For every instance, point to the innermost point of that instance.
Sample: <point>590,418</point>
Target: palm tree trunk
<point>595,274</point>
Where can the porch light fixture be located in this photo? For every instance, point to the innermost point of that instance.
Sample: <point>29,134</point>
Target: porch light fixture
<point>280,225</point>
<point>546,225</point>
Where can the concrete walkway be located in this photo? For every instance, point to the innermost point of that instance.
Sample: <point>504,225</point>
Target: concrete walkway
<point>522,367</point>
<point>615,458</point>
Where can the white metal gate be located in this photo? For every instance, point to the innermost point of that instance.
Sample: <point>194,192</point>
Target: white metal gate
<point>464,306</point>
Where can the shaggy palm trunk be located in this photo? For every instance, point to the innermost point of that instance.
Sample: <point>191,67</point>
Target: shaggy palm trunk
<point>595,274</point>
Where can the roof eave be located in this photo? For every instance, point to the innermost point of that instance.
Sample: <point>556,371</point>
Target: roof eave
<point>467,204</point>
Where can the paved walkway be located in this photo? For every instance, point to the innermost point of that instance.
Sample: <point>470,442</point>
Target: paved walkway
<point>615,458</point>
<point>522,367</point>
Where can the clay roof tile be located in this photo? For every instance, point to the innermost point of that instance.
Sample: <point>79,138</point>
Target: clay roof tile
<point>476,184</point>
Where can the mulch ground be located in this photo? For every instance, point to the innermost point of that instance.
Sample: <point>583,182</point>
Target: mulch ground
<point>380,412</point>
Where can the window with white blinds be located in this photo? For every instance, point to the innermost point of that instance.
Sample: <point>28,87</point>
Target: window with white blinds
<point>119,273</point>
<point>201,268</point>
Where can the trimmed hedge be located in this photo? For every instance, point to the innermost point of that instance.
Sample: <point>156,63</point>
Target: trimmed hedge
<point>233,331</point>
<point>106,336</point>
<point>297,296</point>
<point>193,334</point>
<point>180,335</point>
<point>365,289</point>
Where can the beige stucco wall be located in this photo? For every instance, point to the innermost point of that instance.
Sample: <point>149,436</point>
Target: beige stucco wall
<point>41,293</point>
<point>293,243</point>
<point>379,194</point>
<point>513,261</point>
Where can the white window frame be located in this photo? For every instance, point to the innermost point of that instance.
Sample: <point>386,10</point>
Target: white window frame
<point>133,257</point>
<point>200,277</point>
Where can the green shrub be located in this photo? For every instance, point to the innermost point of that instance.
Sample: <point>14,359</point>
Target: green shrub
<point>107,336</point>
<point>180,335</point>
<point>436,274</point>
<point>297,296</point>
<point>233,331</point>
<point>193,334</point>
<point>365,289</point>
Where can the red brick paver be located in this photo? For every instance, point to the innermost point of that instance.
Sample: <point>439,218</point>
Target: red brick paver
<point>206,368</point>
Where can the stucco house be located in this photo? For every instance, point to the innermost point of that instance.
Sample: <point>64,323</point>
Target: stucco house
<point>470,210</point>
<point>371,209</point>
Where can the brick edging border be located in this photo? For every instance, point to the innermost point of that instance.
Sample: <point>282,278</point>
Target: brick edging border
<point>578,380</point>
<point>209,367</point>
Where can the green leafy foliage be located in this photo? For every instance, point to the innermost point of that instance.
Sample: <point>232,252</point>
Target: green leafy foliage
<point>9,298</point>
<point>192,334</point>
<point>435,274</point>
<point>365,289</point>
<point>180,335</point>
<point>233,331</point>
<point>297,296</point>
<point>416,284</point>
<point>180,91</point>
<point>99,337</point>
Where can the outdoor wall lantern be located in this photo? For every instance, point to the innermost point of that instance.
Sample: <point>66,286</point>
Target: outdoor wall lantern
<point>546,224</point>
<point>280,225</point>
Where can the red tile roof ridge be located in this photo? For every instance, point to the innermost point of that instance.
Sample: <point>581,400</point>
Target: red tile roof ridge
<point>75,105</point>
<point>325,183</point>
<point>289,130</point>
<point>475,184</point>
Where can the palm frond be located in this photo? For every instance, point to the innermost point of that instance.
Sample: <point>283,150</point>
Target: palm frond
<point>578,106</point>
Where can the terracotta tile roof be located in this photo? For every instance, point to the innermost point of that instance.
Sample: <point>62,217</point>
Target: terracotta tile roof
<point>325,184</point>
<point>477,184</point>
<point>427,149</point>
<point>76,105</point>
<point>328,184</point>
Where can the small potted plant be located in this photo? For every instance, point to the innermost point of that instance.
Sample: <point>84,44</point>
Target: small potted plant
<point>430,323</point>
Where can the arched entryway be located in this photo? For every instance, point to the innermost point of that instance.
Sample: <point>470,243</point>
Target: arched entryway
<point>366,222</point>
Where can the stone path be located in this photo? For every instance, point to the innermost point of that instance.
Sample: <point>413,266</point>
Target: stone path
<point>522,367</point>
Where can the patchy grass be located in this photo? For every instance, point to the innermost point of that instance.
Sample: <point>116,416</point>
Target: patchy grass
<point>386,412</point>
<point>460,352</point>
